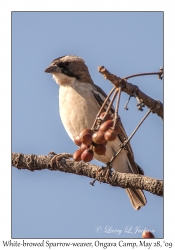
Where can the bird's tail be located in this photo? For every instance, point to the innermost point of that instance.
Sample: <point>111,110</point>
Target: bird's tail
<point>136,197</point>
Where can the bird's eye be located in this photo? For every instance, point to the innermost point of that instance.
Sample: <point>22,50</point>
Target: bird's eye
<point>66,63</point>
<point>63,64</point>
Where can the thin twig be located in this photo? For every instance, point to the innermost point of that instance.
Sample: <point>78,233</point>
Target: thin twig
<point>143,74</point>
<point>117,107</point>
<point>110,104</point>
<point>103,105</point>
<point>149,111</point>
<point>126,105</point>
<point>129,138</point>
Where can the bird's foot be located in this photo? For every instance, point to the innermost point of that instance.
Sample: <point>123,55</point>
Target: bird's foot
<point>102,174</point>
<point>57,157</point>
<point>105,172</point>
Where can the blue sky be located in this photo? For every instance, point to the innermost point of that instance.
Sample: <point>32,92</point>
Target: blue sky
<point>51,204</point>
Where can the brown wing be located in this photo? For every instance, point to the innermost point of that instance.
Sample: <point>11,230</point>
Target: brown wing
<point>123,136</point>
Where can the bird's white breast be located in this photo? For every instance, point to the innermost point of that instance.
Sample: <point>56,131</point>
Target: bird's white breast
<point>76,113</point>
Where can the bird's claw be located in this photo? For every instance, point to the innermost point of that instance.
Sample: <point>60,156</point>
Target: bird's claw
<point>102,174</point>
<point>57,157</point>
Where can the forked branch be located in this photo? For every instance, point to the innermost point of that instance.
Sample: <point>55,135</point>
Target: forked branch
<point>130,89</point>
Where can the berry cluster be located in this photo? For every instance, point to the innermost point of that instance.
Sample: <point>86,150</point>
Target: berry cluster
<point>91,141</point>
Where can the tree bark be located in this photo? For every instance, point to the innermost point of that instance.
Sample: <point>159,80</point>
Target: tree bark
<point>124,180</point>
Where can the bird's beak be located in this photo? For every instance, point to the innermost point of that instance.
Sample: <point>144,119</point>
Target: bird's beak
<point>52,69</point>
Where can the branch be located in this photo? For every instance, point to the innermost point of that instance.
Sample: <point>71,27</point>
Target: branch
<point>130,89</point>
<point>123,180</point>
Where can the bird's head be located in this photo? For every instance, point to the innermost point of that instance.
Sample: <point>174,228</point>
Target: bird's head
<point>66,68</point>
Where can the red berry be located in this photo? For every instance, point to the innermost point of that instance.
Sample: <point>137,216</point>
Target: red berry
<point>86,131</point>
<point>86,138</point>
<point>110,134</point>
<point>87,155</point>
<point>98,137</point>
<point>106,125</point>
<point>77,140</point>
<point>100,149</point>
<point>77,155</point>
<point>147,235</point>
<point>84,146</point>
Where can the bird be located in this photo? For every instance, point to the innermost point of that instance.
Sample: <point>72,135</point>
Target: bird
<point>79,102</point>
